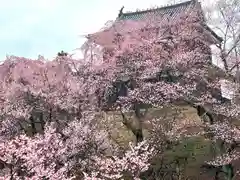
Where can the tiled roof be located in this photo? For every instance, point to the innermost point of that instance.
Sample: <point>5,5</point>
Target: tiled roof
<point>167,11</point>
<point>170,12</point>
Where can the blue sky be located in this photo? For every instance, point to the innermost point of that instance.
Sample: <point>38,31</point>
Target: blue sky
<point>32,27</point>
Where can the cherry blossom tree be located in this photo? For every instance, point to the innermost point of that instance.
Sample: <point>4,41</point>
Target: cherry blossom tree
<point>223,16</point>
<point>143,52</point>
<point>133,162</point>
<point>49,109</point>
<point>49,123</point>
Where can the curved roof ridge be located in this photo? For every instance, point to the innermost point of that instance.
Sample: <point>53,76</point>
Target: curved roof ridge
<point>159,8</point>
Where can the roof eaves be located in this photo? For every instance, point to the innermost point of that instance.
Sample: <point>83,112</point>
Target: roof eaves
<point>220,39</point>
<point>159,8</point>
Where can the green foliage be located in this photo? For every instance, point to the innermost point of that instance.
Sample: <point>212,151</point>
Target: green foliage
<point>194,149</point>
<point>183,160</point>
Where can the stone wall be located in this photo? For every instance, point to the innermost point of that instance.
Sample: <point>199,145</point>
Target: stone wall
<point>183,116</point>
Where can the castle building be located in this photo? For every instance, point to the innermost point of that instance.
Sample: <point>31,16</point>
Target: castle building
<point>126,21</point>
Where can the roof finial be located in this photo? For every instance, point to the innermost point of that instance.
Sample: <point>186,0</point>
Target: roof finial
<point>120,12</point>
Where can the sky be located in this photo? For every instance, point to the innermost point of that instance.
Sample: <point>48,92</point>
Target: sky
<point>29,28</point>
